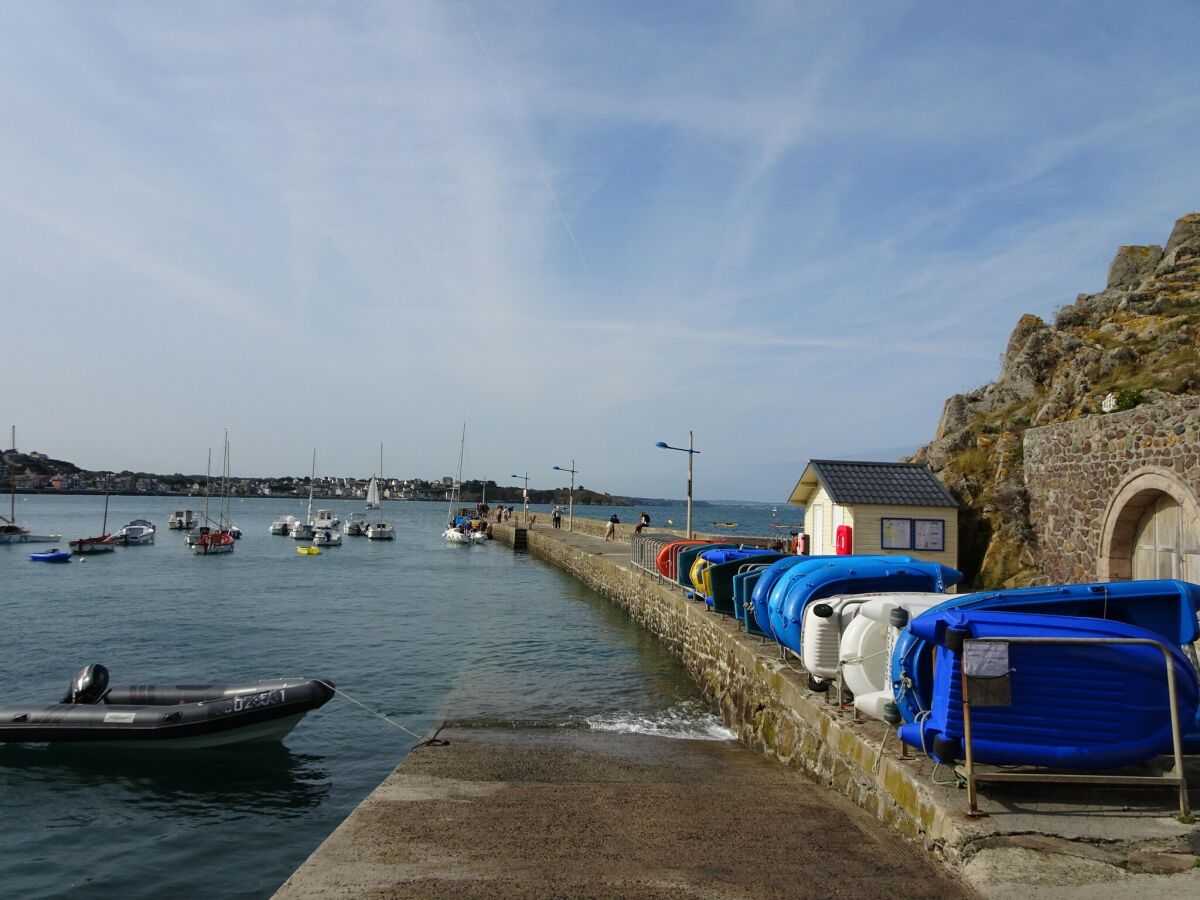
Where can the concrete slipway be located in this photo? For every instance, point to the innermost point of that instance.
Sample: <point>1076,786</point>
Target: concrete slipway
<point>527,813</point>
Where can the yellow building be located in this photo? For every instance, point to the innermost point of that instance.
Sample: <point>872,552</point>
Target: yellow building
<point>878,507</point>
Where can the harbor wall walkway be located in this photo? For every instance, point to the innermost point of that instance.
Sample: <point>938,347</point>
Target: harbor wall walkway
<point>1030,832</point>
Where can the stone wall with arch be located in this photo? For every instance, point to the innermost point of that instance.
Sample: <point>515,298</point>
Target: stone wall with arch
<point>1092,481</point>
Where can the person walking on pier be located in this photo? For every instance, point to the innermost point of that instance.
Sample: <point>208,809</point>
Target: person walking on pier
<point>556,517</point>
<point>610,533</point>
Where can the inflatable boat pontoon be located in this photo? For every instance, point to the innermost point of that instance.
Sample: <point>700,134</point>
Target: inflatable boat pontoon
<point>182,716</point>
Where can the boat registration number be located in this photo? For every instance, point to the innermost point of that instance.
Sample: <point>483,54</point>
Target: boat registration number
<point>249,702</point>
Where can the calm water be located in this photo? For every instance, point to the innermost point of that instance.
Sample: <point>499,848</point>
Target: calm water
<point>415,628</point>
<point>734,518</point>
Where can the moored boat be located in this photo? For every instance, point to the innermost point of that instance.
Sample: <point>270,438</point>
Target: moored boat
<point>327,537</point>
<point>139,531</point>
<point>53,555</point>
<point>183,520</point>
<point>283,525</point>
<point>356,525</point>
<point>309,550</point>
<point>167,716</point>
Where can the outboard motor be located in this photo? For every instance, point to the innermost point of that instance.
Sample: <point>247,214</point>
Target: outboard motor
<point>89,686</point>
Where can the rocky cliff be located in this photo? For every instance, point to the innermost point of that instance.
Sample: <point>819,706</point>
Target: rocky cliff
<point>1134,342</point>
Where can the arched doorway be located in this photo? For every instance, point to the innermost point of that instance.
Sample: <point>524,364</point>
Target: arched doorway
<point>1151,530</point>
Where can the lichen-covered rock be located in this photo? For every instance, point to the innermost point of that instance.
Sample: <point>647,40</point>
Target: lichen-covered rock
<point>1132,265</point>
<point>1139,335</point>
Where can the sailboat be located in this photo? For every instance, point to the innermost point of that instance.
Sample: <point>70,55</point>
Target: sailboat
<point>304,531</point>
<point>105,543</point>
<point>219,540</point>
<point>10,531</point>
<point>373,487</point>
<point>381,530</point>
<point>456,533</point>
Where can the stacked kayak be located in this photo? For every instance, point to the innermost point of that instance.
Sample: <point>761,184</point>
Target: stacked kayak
<point>1095,706</point>
<point>810,582</point>
<point>704,562</point>
<point>837,620</point>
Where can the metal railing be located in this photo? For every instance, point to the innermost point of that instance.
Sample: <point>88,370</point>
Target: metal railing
<point>1174,778</point>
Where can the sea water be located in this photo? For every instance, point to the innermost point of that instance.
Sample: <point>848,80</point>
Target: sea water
<point>415,628</point>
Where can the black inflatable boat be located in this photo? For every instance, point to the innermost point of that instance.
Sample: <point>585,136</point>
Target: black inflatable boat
<point>181,716</point>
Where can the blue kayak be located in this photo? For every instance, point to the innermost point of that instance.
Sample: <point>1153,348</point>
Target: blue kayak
<point>1167,608</point>
<point>53,555</point>
<point>776,580</point>
<point>1096,707</point>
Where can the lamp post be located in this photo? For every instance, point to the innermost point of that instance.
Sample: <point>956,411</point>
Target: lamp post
<point>691,451</point>
<point>525,509</point>
<point>570,496</point>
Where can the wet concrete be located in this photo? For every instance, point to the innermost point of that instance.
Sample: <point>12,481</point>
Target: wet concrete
<point>571,813</point>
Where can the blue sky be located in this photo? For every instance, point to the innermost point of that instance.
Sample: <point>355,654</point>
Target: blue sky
<point>795,228</point>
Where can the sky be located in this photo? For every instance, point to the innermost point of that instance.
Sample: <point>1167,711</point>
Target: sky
<point>794,229</point>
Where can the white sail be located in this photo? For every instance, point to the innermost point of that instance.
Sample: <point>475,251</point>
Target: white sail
<point>373,494</point>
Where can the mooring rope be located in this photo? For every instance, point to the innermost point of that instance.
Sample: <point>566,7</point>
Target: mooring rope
<point>431,741</point>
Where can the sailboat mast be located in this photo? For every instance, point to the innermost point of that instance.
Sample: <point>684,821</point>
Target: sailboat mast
<point>224,509</point>
<point>12,481</point>
<point>104,524</point>
<point>312,478</point>
<point>207,479</point>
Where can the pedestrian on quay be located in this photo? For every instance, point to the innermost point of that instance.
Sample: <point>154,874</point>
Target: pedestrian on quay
<point>610,533</point>
<point>643,521</point>
<point>556,517</point>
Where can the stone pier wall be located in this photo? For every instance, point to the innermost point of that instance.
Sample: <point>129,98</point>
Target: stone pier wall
<point>764,699</point>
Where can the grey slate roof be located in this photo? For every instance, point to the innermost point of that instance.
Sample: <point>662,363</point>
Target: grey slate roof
<point>882,483</point>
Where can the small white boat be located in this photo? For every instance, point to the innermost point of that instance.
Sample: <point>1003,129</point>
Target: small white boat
<point>139,531</point>
<point>303,531</point>
<point>827,622</point>
<point>327,537</point>
<point>456,536</point>
<point>867,646</point>
<point>183,520</point>
<point>326,519</point>
<point>283,525</point>
<point>373,487</point>
<point>380,531</point>
<point>356,525</point>
<point>11,533</point>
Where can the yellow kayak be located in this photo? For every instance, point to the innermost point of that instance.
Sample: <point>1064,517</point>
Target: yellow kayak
<point>308,551</point>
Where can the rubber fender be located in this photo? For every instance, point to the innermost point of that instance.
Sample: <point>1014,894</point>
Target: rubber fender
<point>946,750</point>
<point>953,640</point>
<point>891,713</point>
<point>898,617</point>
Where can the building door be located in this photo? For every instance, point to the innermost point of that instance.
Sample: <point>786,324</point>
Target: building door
<point>1164,545</point>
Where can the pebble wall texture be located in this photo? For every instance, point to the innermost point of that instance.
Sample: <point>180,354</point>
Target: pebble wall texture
<point>1087,480</point>
<point>765,700</point>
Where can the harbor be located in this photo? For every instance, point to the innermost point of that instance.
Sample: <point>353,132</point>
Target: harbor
<point>1042,842</point>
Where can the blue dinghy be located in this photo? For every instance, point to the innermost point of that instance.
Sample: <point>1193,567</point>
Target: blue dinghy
<point>688,555</point>
<point>1076,707</point>
<point>803,585</point>
<point>1167,608</point>
<point>53,555</point>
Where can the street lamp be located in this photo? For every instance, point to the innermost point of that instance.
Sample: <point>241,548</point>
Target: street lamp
<point>570,496</point>
<point>525,510</point>
<point>691,451</point>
